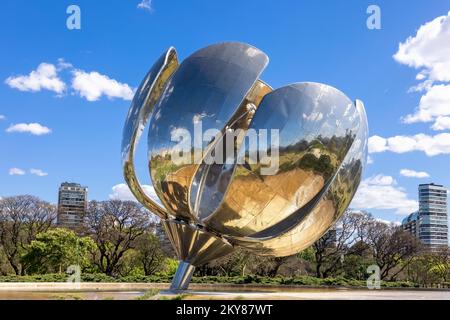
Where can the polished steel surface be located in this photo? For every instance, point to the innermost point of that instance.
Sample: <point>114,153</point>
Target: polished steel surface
<point>193,244</point>
<point>297,155</point>
<point>314,137</point>
<point>141,108</point>
<point>182,277</point>
<point>208,86</point>
<point>326,211</point>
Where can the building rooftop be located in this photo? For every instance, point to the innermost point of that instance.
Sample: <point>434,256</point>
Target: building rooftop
<point>413,216</point>
<point>72,185</point>
<point>431,184</point>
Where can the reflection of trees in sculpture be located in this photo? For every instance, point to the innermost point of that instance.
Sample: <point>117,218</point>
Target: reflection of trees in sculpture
<point>322,165</point>
<point>174,195</point>
<point>286,210</point>
<point>348,180</point>
<point>321,155</point>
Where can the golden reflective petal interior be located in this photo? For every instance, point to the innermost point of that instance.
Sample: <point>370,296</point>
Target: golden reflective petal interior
<point>194,245</point>
<point>292,158</point>
<point>329,209</point>
<point>202,95</point>
<point>317,125</point>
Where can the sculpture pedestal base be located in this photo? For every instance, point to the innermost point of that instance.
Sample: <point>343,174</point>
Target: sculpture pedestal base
<point>182,277</point>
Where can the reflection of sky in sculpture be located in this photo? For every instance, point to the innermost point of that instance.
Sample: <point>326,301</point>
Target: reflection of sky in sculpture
<point>211,82</point>
<point>286,107</point>
<point>323,143</point>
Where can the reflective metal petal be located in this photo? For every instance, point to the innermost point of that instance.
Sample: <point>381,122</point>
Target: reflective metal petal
<point>316,126</point>
<point>292,158</point>
<point>194,245</point>
<point>141,108</point>
<point>209,85</point>
<point>328,210</point>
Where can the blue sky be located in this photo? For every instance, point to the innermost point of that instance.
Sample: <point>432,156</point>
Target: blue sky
<point>76,128</point>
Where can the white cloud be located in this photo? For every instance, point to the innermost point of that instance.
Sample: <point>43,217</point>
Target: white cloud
<point>33,128</point>
<point>381,192</point>
<point>422,86</point>
<point>93,85</point>
<point>89,85</point>
<point>122,192</point>
<point>16,172</point>
<point>429,51</point>
<point>313,117</point>
<point>441,123</point>
<point>63,64</point>
<point>414,174</point>
<point>369,160</point>
<point>2,117</point>
<point>145,5</point>
<point>38,172</point>
<point>434,103</point>
<point>44,77</point>
<point>377,144</point>
<point>421,76</point>
<point>381,180</point>
<point>430,145</point>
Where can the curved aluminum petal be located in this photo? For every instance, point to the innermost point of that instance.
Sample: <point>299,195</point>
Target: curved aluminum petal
<point>214,177</point>
<point>210,85</point>
<point>272,201</point>
<point>328,210</point>
<point>316,126</point>
<point>194,245</point>
<point>141,108</point>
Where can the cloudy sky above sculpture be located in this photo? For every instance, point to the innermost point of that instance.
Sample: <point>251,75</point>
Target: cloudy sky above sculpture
<point>65,93</point>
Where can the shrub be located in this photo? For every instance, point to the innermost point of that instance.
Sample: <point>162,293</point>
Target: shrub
<point>248,279</point>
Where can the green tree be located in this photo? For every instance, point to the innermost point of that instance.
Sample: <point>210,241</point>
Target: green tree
<point>430,267</point>
<point>393,248</point>
<point>55,250</point>
<point>21,218</point>
<point>115,226</point>
<point>150,253</point>
<point>439,264</point>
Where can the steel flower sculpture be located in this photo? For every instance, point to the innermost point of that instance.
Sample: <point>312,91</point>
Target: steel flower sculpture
<point>273,197</point>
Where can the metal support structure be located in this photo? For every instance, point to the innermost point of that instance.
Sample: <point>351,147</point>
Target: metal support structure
<point>182,276</point>
<point>318,148</point>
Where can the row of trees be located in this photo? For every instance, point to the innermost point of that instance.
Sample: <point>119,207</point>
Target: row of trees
<point>362,240</point>
<point>359,241</point>
<point>118,238</point>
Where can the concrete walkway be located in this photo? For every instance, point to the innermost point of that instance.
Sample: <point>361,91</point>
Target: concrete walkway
<point>124,291</point>
<point>345,294</point>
